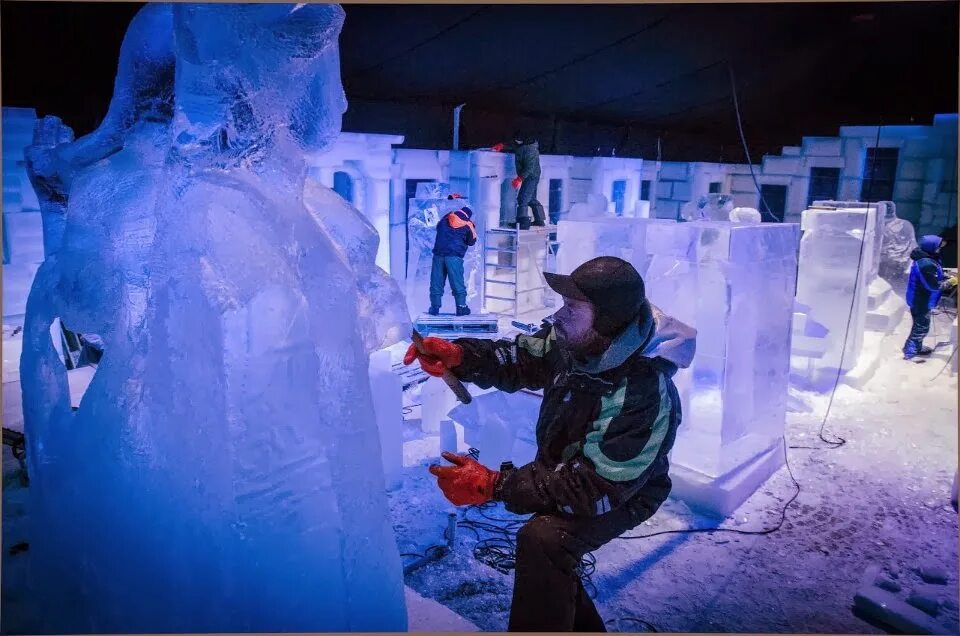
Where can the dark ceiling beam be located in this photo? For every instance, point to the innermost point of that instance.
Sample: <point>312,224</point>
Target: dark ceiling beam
<point>686,75</point>
<point>433,38</point>
<point>586,56</point>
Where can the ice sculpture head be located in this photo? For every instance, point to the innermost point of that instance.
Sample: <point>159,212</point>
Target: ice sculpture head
<point>247,73</point>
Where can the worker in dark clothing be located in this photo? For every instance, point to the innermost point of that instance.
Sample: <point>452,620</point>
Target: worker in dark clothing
<point>927,282</point>
<point>526,152</point>
<point>455,233</point>
<point>609,416</point>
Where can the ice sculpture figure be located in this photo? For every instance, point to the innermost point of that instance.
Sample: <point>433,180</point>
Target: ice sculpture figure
<point>383,316</point>
<point>424,212</point>
<point>218,474</point>
<point>734,283</point>
<point>836,256</point>
<point>899,239</point>
<point>44,173</point>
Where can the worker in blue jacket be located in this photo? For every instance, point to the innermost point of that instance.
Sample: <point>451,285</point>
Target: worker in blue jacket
<point>455,233</point>
<point>927,282</point>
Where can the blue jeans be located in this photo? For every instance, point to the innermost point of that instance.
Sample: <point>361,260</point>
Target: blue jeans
<point>444,267</point>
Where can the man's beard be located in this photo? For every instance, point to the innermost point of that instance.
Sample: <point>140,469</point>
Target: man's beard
<point>590,346</point>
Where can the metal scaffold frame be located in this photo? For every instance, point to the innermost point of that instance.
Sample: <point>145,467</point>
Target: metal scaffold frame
<point>509,258</point>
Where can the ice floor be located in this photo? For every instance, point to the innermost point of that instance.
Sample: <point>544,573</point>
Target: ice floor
<point>882,498</point>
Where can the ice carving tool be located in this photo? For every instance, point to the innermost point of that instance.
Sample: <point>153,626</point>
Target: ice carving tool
<point>452,381</point>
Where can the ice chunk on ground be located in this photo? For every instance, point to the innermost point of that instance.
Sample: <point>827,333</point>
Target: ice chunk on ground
<point>220,461</point>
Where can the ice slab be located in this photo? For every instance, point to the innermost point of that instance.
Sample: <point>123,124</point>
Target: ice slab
<point>836,257</point>
<point>735,284</point>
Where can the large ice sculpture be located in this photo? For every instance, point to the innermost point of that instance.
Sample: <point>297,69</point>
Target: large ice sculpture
<point>44,171</point>
<point>899,239</point>
<point>383,317</point>
<point>424,212</point>
<point>223,470</point>
<point>734,283</point>
<point>836,258</point>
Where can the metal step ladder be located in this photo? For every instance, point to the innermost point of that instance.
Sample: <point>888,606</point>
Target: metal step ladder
<point>507,286</point>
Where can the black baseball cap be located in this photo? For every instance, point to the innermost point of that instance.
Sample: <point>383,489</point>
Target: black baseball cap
<point>612,285</point>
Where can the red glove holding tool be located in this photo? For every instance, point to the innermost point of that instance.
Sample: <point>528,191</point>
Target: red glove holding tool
<point>516,182</point>
<point>454,196</point>
<point>439,355</point>
<point>466,482</point>
<point>497,148</point>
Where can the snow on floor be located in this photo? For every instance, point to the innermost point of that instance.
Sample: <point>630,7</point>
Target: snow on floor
<point>882,498</point>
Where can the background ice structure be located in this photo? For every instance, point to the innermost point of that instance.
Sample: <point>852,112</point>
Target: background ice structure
<point>423,214</point>
<point>734,283</point>
<point>718,207</point>
<point>218,474</point>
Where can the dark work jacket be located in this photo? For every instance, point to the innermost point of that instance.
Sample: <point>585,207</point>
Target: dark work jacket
<point>451,240</point>
<point>604,429</point>
<point>926,276</point>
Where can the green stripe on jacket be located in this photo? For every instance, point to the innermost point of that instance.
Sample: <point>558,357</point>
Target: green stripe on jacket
<point>610,408</point>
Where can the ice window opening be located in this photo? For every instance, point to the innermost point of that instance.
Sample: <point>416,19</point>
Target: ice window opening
<point>824,184</point>
<point>879,173</point>
<point>645,190</point>
<point>343,185</point>
<point>618,195</point>
<point>773,202</point>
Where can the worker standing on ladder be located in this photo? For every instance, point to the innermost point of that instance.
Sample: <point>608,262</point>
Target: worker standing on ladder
<point>526,152</point>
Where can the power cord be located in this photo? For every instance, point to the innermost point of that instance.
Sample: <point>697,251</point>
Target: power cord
<point>746,150</point>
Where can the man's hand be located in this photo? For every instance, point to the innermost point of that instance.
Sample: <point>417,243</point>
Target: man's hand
<point>497,148</point>
<point>516,182</point>
<point>438,355</point>
<point>466,482</point>
<point>952,281</point>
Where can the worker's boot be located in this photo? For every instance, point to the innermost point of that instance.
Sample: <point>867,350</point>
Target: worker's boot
<point>463,310</point>
<point>523,223</point>
<point>434,310</point>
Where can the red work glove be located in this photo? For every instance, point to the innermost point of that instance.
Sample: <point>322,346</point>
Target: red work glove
<point>516,182</point>
<point>497,148</point>
<point>467,482</point>
<point>439,355</point>
<point>454,196</point>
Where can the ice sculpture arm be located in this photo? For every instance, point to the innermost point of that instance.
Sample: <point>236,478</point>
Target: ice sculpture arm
<point>623,447</point>
<point>509,365</point>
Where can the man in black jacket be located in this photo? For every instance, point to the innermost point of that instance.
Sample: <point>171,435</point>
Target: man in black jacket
<point>609,416</point>
<point>526,153</point>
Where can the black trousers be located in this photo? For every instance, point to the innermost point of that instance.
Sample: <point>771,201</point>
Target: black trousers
<point>919,330</point>
<point>547,593</point>
<point>527,196</point>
